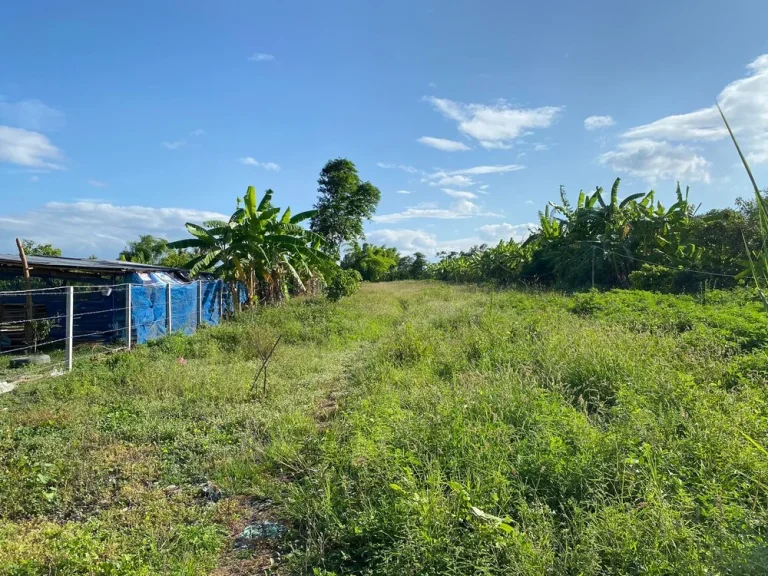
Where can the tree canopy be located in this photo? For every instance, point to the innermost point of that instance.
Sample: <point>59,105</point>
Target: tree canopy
<point>344,202</point>
<point>32,248</point>
<point>149,249</point>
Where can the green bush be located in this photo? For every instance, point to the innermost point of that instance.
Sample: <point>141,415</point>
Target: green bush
<point>668,280</point>
<point>344,283</point>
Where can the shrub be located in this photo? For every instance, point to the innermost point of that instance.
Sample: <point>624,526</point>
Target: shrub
<point>666,280</point>
<point>344,283</point>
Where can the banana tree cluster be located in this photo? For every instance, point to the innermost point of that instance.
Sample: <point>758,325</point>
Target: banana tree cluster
<point>622,233</point>
<point>500,263</point>
<point>258,248</point>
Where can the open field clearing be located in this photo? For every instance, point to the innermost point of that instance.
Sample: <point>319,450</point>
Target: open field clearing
<point>413,428</point>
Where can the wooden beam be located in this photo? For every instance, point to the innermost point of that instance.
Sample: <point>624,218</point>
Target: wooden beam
<point>30,311</point>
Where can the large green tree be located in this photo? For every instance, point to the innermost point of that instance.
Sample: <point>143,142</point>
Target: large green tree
<point>344,202</point>
<point>32,248</point>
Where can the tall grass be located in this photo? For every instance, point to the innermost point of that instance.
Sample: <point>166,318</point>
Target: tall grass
<point>414,428</point>
<point>760,271</point>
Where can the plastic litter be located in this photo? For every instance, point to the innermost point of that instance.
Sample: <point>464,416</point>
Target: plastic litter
<point>259,531</point>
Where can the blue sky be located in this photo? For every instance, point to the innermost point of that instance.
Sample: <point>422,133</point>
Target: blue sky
<point>117,120</point>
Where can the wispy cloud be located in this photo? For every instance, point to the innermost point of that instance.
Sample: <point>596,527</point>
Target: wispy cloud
<point>463,177</point>
<point>460,194</point>
<point>443,144</point>
<point>97,183</point>
<point>530,202</point>
<point>540,147</point>
<point>409,241</point>
<point>261,57</point>
<point>249,161</point>
<point>496,125</point>
<point>598,122</point>
<point>27,148</point>
<point>175,144</point>
<point>180,143</point>
<point>505,231</point>
<point>457,210</point>
<point>403,167</point>
<point>32,115</point>
<point>402,191</point>
<point>660,150</point>
<point>34,178</point>
<point>84,228</point>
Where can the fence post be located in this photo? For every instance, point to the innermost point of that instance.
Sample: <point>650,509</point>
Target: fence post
<point>199,303</point>
<point>69,327</point>
<point>128,320</point>
<point>168,320</point>
<point>221,300</point>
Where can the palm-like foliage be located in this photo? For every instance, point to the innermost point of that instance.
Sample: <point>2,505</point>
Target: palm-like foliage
<point>620,233</point>
<point>257,247</point>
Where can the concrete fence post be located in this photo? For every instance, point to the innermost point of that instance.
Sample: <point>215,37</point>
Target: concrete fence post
<point>69,328</point>
<point>168,319</point>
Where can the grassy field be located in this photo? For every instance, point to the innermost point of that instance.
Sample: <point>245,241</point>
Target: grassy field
<point>415,428</point>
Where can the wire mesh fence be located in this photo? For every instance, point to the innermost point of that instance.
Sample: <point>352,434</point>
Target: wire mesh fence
<point>52,322</point>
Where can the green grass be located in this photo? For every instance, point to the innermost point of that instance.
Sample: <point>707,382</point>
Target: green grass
<point>414,428</point>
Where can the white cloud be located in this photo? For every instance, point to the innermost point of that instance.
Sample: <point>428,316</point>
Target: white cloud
<point>540,147</point>
<point>249,161</point>
<point>32,115</point>
<point>176,144</point>
<point>444,179</point>
<point>402,192</point>
<point>408,241</point>
<point>84,228</point>
<point>26,148</point>
<point>503,169</point>
<point>443,144</point>
<point>745,103</point>
<point>531,202</point>
<point>460,194</point>
<point>701,125</point>
<point>505,231</point>
<point>462,178</point>
<point>261,57</point>
<point>484,187</point>
<point>97,183</point>
<point>497,125</point>
<point>460,209</point>
<point>403,167</point>
<point>597,122</point>
<point>656,161</point>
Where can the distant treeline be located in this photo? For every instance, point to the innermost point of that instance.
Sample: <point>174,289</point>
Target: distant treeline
<point>602,242</point>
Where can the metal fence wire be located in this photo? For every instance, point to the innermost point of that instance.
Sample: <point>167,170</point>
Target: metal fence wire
<point>128,314</point>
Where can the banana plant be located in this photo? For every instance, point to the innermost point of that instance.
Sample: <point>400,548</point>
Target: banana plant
<point>259,249</point>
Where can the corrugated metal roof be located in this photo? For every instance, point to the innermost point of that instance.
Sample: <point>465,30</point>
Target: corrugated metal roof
<point>58,263</point>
